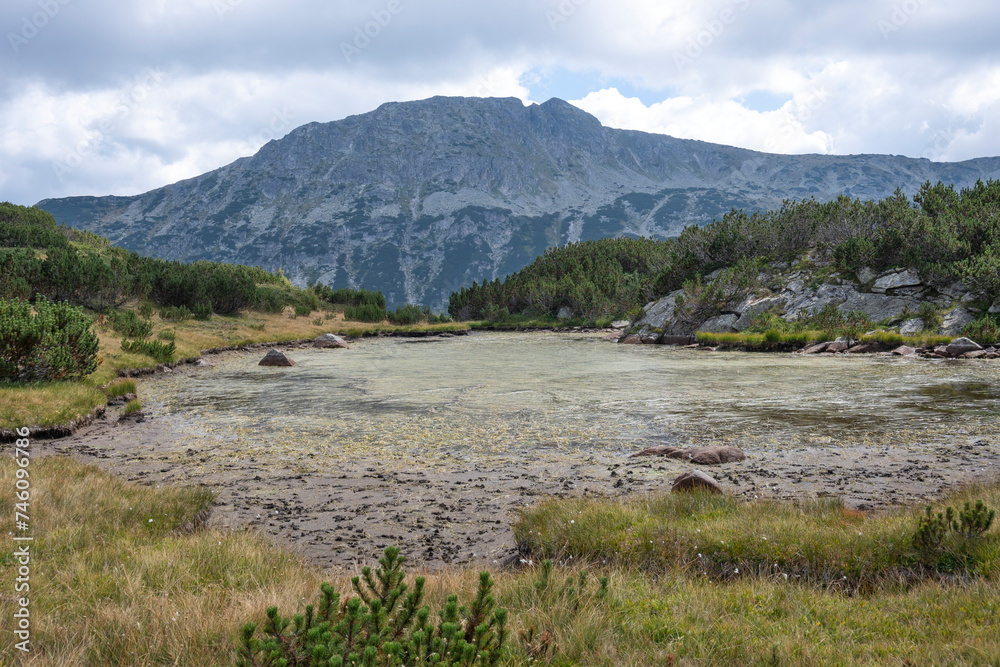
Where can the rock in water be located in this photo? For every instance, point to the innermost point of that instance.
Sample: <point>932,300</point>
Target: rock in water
<point>711,455</point>
<point>659,450</point>
<point>695,480</point>
<point>960,346</point>
<point>276,358</point>
<point>714,455</point>
<point>330,340</point>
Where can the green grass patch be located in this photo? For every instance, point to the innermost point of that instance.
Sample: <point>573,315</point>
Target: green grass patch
<point>721,536</point>
<point>120,388</point>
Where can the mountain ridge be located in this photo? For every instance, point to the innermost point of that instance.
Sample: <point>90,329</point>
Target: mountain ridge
<point>420,198</point>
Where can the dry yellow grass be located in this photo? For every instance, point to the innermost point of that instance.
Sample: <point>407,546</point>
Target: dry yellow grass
<point>108,587</point>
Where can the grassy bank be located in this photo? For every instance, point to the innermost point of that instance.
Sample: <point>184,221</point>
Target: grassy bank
<point>57,403</point>
<point>820,542</point>
<point>774,340</point>
<point>111,587</point>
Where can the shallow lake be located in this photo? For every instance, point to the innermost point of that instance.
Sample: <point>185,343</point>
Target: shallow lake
<point>509,395</point>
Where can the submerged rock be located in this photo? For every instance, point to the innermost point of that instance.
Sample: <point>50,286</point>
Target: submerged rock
<point>276,358</point>
<point>710,455</point>
<point>695,480</point>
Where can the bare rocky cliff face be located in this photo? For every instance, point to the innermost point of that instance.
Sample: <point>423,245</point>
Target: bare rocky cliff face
<point>420,198</point>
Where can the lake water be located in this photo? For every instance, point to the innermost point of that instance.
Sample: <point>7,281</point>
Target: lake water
<point>510,395</point>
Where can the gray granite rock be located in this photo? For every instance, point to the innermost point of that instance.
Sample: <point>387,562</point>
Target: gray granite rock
<point>719,324</point>
<point>750,309</point>
<point>907,278</point>
<point>954,321</point>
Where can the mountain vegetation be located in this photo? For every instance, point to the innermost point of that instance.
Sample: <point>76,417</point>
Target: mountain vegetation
<point>421,198</point>
<point>943,233</point>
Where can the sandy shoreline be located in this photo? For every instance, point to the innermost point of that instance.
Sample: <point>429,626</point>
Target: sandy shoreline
<point>342,514</point>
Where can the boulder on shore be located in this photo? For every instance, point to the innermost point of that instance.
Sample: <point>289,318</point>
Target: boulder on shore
<point>695,480</point>
<point>960,346</point>
<point>330,340</point>
<point>276,358</point>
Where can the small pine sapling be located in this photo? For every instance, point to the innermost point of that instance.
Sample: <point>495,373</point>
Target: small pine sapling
<point>382,625</point>
<point>974,521</point>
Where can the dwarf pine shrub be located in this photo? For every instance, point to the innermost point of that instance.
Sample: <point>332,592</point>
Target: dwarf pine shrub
<point>968,523</point>
<point>54,342</point>
<point>366,312</point>
<point>383,624</point>
<point>129,324</point>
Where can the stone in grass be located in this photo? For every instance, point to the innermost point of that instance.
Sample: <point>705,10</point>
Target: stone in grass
<point>695,480</point>
<point>330,340</point>
<point>276,358</point>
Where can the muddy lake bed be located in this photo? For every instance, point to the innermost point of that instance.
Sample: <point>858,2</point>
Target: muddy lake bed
<point>433,444</point>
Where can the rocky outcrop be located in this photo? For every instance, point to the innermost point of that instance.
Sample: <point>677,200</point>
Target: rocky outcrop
<point>276,358</point>
<point>891,298</point>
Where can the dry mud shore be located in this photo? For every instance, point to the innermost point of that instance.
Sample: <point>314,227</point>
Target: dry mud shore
<point>346,514</point>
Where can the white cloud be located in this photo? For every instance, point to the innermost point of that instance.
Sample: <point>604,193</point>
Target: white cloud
<point>929,88</point>
<point>723,122</point>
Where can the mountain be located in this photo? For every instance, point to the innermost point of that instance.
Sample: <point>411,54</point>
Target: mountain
<point>420,198</point>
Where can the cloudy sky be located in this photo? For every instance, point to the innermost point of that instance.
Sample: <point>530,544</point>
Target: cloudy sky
<point>119,97</point>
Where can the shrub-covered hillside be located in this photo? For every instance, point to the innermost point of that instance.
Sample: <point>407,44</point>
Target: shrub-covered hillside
<point>593,279</point>
<point>942,233</point>
<point>38,256</point>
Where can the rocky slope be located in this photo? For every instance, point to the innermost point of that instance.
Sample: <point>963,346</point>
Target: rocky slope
<point>419,198</point>
<point>894,298</point>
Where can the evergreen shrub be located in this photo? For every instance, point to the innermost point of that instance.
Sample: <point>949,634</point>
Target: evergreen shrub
<point>383,624</point>
<point>53,343</point>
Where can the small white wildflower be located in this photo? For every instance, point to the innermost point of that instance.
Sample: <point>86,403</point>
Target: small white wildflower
<point>765,539</point>
<point>151,521</point>
<point>737,570</point>
<point>572,520</point>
